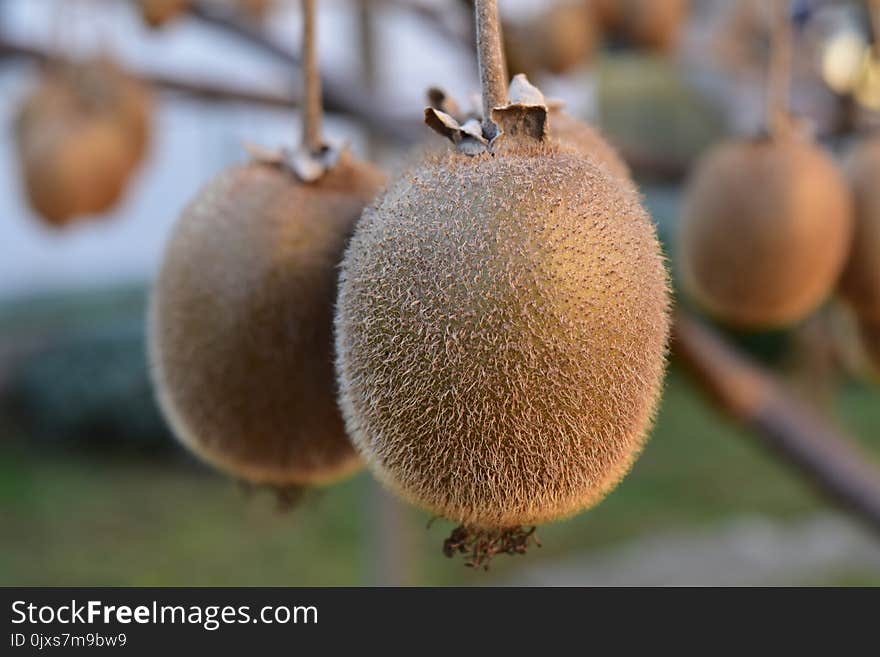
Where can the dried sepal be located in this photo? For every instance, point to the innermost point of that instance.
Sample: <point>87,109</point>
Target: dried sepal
<point>306,165</point>
<point>525,117</point>
<point>467,137</point>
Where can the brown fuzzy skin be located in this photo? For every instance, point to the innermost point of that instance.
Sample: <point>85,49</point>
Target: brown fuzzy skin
<point>587,140</point>
<point>75,155</point>
<point>501,332</point>
<point>765,232</point>
<point>652,24</point>
<point>557,41</point>
<point>241,322</point>
<point>157,13</point>
<point>860,284</point>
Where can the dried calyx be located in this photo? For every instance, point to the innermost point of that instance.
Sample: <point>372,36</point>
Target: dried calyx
<point>307,165</point>
<point>480,546</point>
<point>524,119</point>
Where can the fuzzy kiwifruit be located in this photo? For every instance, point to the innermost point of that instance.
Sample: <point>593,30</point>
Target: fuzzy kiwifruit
<point>241,322</point>
<point>651,24</point>
<point>557,40</point>
<point>765,232</point>
<point>75,153</point>
<point>860,283</point>
<point>501,329</point>
<point>586,139</point>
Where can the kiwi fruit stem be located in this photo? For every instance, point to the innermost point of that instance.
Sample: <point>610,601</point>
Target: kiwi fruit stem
<point>312,110</point>
<point>493,74</point>
<point>779,75</point>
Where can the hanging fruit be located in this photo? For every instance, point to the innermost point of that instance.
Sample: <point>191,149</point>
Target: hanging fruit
<point>502,323</point>
<point>79,135</point>
<point>765,231</point>
<point>241,321</point>
<point>767,222</point>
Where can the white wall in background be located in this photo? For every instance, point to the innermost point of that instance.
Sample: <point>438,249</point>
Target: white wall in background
<point>193,140</point>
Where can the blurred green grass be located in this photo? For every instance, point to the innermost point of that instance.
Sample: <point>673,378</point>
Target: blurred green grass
<point>74,513</point>
<point>72,519</point>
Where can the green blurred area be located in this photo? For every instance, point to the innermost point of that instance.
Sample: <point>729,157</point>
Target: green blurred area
<point>143,513</point>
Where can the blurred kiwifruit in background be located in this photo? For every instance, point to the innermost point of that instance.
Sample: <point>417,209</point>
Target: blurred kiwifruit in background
<point>765,231</point>
<point>80,134</point>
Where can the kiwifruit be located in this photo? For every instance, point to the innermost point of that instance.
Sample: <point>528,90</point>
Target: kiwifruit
<point>501,329</point>
<point>126,98</point>
<point>650,24</point>
<point>75,154</point>
<point>157,13</point>
<point>557,40</point>
<point>860,283</point>
<point>765,231</point>
<point>241,322</point>
<point>586,139</point>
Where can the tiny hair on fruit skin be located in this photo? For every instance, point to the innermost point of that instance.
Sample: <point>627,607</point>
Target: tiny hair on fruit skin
<point>240,329</point>
<point>501,324</point>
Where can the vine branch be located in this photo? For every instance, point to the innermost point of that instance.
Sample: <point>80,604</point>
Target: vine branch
<point>781,422</point>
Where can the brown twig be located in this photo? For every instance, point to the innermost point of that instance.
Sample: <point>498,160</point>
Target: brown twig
<point>784,424</point>
<point>205,90</point>
<point>493,74</point>
<point>312,111</point>
<point>397,129</point>
<point>336,97</point>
